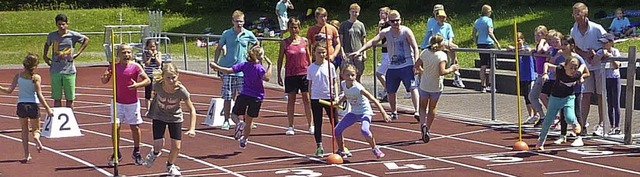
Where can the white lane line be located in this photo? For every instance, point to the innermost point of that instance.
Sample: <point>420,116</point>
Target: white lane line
<point>562,172</point>
<point>64,155</point>
<point>164,150</point>
<point>460,134</point>
<point>414,171</point>
<point>405,152</point>
<point>517,163</point>
<point>93,148</point>
<point>612,155</point>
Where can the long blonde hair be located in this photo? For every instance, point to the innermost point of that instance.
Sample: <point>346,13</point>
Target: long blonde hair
<point>158,74</point>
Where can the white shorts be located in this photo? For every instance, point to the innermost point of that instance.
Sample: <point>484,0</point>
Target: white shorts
<point>593,83</point>
<point>128,113</point>
<point>282,21</point>
<point>384,65</point>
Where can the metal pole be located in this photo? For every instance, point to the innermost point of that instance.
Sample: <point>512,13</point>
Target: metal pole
<point>603,87</point>
<point>493,86</point>
<point>375,63</point>
<point>207,64</point>
<point>184,48</point>
<point>629,102</point>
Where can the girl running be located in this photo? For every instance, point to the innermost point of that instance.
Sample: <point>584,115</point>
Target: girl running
<point>298,59</point>
<point>166,112</point>
<point>252,94</point>
<point>562,95</point>
<point>358,97</point>
<point>152,59</point>
<point>432,64</point>
<point>27,108</point>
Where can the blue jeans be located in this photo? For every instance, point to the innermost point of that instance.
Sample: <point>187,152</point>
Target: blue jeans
<point>567,104</point>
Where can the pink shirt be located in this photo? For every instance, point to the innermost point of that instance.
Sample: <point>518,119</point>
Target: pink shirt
<point>297,57</point>
<point>124,75</point>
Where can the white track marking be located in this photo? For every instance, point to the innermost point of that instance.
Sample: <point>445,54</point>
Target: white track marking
<point>64,155</point>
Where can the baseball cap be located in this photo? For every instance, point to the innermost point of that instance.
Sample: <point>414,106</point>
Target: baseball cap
<point>607,37</point>
<point>438,7</point>
<point>441,13</point>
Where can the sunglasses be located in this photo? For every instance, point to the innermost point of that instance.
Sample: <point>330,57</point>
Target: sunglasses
<point>395,20</point>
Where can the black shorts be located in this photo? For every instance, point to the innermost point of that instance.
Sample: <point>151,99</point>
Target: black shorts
<point>147,91</point>
<point>525,88</point>
<point>247,104</point>
<point>485,58</point>
<point>293,84</point>
<point>547,87</point>
<point>175,130</point>
<point>28,110</point>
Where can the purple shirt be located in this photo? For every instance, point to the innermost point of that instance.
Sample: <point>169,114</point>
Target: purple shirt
<point>253,73</point>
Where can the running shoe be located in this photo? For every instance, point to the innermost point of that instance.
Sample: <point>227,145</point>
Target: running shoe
<point>173,170</point>
<point>578,142</point>
<point>319,152</point>
<point>347,152</point>
<point>137,158</point>
<point>290,131</point>
<point>225,125</point>
<point>562,139</point>
<point>111,162</point>
<point>377,152</point>
<point>243,143</point>
<point>151,157</point>
<point>239,130</point>
<point>426,136</point>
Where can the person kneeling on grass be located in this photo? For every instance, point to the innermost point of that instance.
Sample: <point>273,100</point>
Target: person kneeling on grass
<point>250,98</point>
<point>358,98</point>
<point>166,111</point>
<point>568,75</point>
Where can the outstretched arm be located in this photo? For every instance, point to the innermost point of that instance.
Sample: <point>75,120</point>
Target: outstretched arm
<point>369,44</point>
<point>224,70</point>
<point>385,116</point>
<point>12,86</point>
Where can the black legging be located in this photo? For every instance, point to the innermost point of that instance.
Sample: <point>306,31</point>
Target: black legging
<point>316,109</point>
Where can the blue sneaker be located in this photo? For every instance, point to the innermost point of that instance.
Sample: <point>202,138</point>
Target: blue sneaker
<point>243,143</point>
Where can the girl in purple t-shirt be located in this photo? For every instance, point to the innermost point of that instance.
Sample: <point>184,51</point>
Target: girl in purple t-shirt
<point>250,98</point>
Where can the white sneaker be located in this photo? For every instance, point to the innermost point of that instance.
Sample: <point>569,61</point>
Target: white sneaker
<point>531,120</point>
<point>312,130</point>
<point>598,131</point>
<point>286,96</point>
<point>407,95</point>
<point>289,131</point>
<point>173,170</point>
<point>148,161</point>
<point>578,142</point>
<point>561,140</point>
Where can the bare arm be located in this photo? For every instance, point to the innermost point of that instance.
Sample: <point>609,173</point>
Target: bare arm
<point>267,74</point>
<point>216,54</point>
<point>385,116</point>
<point>493,37</point>
<point>369,44</point>
<point>84,45</point>
<point>37,81</point>
<point>444,70</point>
<point>106,76</point>
<point>225,70</point>
<point>474,35</point>
<point>414,45</point>
<point>44,54</point>
<point>192,123</point>
<point>12,86</point>
<point>145,80</point>
<point>337,48</point>
<point>280,62</point>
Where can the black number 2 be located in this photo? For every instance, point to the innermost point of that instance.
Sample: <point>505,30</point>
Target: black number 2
<point>48,121</point>
<point>66,120</point>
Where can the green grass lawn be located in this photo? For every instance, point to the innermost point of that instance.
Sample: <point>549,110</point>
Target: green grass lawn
<point>85,20</point>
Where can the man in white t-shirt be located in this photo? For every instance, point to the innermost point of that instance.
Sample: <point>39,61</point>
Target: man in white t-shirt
<point>281,14</point>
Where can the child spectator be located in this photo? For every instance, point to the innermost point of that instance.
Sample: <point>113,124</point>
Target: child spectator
<point>613,81</point>
<point>542,48</point>
<point>152,59</point>
<point>127,73</point>
<point>527,74</point>
<point>322,78</point>
<point>620,25</point>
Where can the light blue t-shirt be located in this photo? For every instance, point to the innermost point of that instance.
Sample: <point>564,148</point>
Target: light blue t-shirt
<point>425,41</point>
<point>445,30</point>
<point>482,26</point>
<point>281,7</point>
<point>27,92</point>
<point>237,45</point>
<point>617,25</point>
